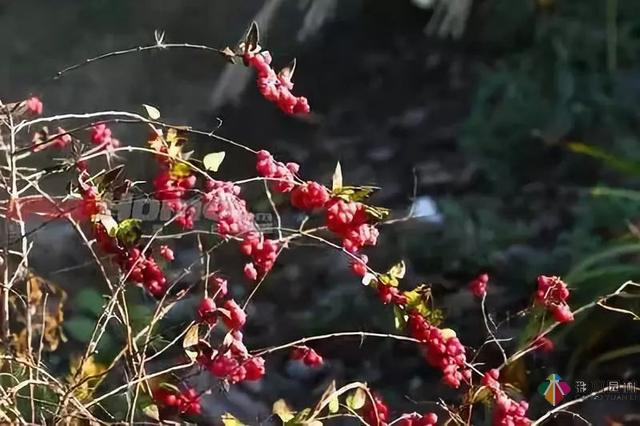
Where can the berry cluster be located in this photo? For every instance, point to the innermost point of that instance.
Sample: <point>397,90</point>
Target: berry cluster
<point>427,419</point>
<point>101,136</point>
<point>184,402</point>
<point>506,411</point>
<point>224,205</point>
<point>543,344</point>
<point>232,361</point>
<point>276,87</point>
<point>141,268</point>
<point>263,252</point>
<point>171,187</point>
<point>42,139</point>
<point>376,413</point>
<point>307,355</point>
<point>443,352</point>
<point>552,293</point>
<point>34,105</point>
<point>283,175</point>
<point>478,285</point>
<point>349,220</point>
<point>389,294</point>
<point>167,253</point>
<point>309,196</point>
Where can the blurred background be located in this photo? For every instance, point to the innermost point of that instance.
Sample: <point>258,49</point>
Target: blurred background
<point>511,126</point>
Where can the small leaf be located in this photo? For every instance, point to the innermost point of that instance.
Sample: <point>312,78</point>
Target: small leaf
<point>212,161</point>
<point>356,400</point>
<point>229,54</point>
<point>129,232</point>
<point>229,419</point>
<point>337,178</point>
<point>169,387</point>
<point>152,412</point>
<point>191,337</point>
<point>152,112</point>
<point>379,213</point>
<point>400,319</point>
<point>300,418</point>
<point>286,73</point>
<point>282,410</point>
<point>398,270</point>
<point>448,333</point>
<point>368,278</point>
<point>109,223</point>
<point>252,39</point>
<point>180,169</point>
<point>334,405</point>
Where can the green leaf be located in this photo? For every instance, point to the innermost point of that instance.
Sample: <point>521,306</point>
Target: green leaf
<point>80,328</point>
<point>152,112</point>
<point>213,160</point>
<point>618,163</point>
<point>89,300</point>
<point>151,411</point>
<point>356,399</point>
<point>129,232</point>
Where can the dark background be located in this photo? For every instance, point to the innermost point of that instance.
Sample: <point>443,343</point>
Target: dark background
<point>479,125</point>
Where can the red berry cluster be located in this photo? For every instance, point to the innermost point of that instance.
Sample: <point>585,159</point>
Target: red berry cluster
<point>283,175</point>
<point>543,344</point>
<point>376,413</point>
<point>443,352</point>
<point>141,268</point>
<point>276,87</point>
<point>506,411</point>
<point>34,105</point>
<point>91,204</point>
<point>231,313</point>
<point>224,205</point>
<point>553,293</point>
<point>309,196</point>
<point>171,188</point>
<point>427,419</point>
<point>185,402</point>
<point>232,361</point>
<point>101,136</point>
<point>389,294</point>
<point>59,140</point>
<point>144,270</point>
<point>263,252</point>
<point>478,285</point>
<point>167,253</point>
<point>307,355</point>
<point>218,286</point>
<point>349,220</point>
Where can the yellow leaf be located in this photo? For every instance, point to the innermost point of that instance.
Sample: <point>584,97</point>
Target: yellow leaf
<point>152,111</point>
<point>282,410</point>
<point>398,270</point>
<point>448,333</point>
<point>213,161</point>
<point>337,178</point>
<point>191,337</point>
<point>229,419</point>
<point>356,400</point>
<point>80,372</point>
